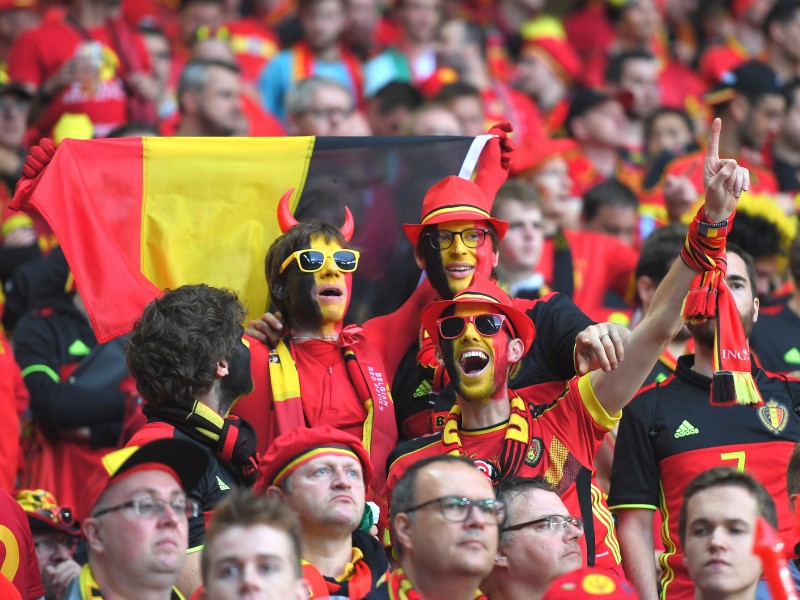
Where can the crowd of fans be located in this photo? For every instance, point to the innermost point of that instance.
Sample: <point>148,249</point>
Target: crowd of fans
<point>120,453</point>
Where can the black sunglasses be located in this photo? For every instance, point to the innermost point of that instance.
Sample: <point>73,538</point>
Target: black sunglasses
<point>487,325</point>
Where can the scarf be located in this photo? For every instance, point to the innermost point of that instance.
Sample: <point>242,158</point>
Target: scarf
<point>367,567</point>
<point>515,443</point>
<point>232,439</point>
<point>400,588</point>
<point>367,376</point>
<point>709,297</point>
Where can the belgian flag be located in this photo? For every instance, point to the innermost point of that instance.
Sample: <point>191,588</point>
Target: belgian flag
<point>136,216</point>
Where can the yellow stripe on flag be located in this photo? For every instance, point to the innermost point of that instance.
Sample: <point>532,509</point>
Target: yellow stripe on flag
<point>193,186</point>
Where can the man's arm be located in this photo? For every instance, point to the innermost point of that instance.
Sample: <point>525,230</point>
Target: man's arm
<point>635,532</point>
<point>724,182</point>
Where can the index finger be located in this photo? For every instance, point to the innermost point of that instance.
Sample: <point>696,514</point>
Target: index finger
<point>713,139</point>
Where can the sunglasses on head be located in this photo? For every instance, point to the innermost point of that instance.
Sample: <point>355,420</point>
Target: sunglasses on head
<point>62,515</point>
<point>311,261</point>
<point>486,324</point>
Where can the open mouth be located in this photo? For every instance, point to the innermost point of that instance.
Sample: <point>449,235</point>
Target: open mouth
<point>473,362</point>
<point>330,292</point>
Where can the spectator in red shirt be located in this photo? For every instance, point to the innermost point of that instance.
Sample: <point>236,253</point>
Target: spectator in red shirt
<point>462,47</point>
<point>90,62</point>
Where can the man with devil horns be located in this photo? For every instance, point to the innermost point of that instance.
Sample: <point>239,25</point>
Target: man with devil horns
<point>322,373</point>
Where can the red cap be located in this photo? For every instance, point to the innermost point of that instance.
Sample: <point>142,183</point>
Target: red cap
<point>481,291</point>
<point>590,583</point>
<point>44,513</point>
<point>184,460</point>
<point>558,53</point>
<point>454,199</point>
<point>529,157</point>
<point>294,448</point>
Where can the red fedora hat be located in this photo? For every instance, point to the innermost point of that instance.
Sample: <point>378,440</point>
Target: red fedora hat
<point>454,199</point>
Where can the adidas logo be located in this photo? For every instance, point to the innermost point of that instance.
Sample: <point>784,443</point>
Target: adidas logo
<point>685,429</point>
<point>222,485</point>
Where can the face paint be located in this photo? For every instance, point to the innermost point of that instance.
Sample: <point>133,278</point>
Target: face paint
<point>318,301</point>
<point>238,381</point>
<point>477,365</point>
<point>450,270</point>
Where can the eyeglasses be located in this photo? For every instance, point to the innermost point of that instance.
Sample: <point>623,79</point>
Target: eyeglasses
<point>443,239</point>
<point>311,261</point>
<point>550,523</point>
<point>457,510</point>
<point>148,506</point>
<point>51,545</point>
<point>487,325</point>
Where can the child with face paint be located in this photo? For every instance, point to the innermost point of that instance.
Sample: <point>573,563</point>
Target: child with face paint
<point>531,432</point>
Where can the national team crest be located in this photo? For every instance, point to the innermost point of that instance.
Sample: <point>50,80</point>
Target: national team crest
<point>535,451</point>
<point>773,415</point>
<point>489,470</point>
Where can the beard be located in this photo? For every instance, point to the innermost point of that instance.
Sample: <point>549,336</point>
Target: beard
<point>705,332</point>
<point>238,381</point>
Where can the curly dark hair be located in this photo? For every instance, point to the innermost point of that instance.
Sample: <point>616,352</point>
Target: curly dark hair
<point>297,238</point>
<point>174,347</point>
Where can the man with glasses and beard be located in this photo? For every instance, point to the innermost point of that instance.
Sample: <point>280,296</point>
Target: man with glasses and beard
<point>191,365</point>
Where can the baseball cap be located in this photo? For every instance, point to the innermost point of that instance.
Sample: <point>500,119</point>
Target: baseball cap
<point>752,78</point>
<point>590,583</point>
<point>184,460</point>
<point>295,448</point>
<point>44,513</point>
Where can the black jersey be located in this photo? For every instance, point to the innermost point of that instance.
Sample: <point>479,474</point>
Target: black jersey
<point>670,433</point>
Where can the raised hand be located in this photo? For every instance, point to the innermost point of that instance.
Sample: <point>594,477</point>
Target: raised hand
<point>38,158</point>
<point>724,180</point>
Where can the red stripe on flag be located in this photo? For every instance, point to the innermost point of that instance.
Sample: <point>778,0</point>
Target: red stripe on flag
<point>114,289</point>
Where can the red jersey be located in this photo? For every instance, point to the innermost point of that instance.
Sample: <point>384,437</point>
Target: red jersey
<point>17,554</point>
<point>564,435</point>
<point>599,263</point>
<point>38,54</point>
<point>501,103</point>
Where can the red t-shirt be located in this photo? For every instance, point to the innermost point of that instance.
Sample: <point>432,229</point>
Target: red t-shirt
<point>17,554</point>
<point>564,438</point>
<point>38,54</point>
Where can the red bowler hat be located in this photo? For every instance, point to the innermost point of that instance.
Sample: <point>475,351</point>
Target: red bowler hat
<point>533,155</point>
<point>454,199</point>
<point>482,290</point>
<point>590,583</point>
<point>295,448</point>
